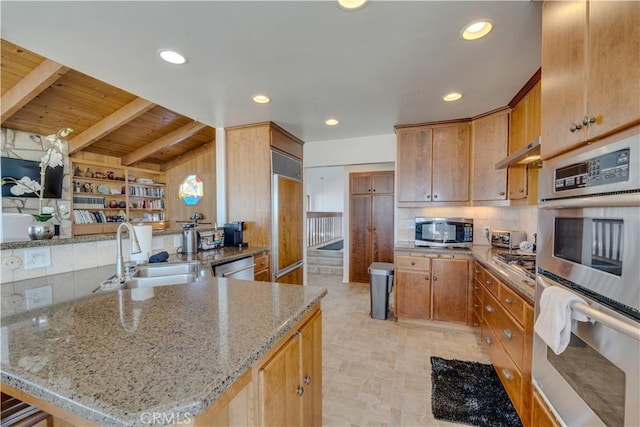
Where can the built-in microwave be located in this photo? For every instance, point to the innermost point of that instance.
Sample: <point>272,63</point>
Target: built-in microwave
<point>444,232</point>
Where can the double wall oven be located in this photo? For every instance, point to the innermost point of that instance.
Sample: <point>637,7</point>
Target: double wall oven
<point>589,240</point>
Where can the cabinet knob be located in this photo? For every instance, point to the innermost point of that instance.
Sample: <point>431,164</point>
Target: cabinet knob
<point>502,193</point>
<point>299,390</point>
<point>586,120</point>
<point>426,277</point>
<point>435,196</point>
<point>489,282</point>
<point>575,126</point>
<point>507,334</point>
<point>307,380</point>
<point>507,374</point>
<point>374,190</point>
<point>488,308</point>
<point>476,305</point>
<point>477,288</point>
<point>488,340</point>
<point>428,196</point>
<point>413,263</point>
<point>435,278</point>
<point>508,301</point>
<point>521,190</point>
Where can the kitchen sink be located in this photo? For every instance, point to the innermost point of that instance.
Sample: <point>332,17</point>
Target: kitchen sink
<point>171,269</point>
<point>166,280</point>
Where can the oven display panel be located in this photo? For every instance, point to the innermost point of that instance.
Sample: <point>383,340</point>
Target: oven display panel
<point>606,169</point>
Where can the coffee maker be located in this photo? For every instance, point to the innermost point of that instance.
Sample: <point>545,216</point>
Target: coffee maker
<point>233,234</point>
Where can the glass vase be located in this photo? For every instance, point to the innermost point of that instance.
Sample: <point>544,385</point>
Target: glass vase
<point>39,230</point>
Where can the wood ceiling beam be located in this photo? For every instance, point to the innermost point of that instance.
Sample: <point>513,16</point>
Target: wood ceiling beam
<point>134,109</point>
<point>29,87</point>
<point>166,141</point>
<point>189,155</point>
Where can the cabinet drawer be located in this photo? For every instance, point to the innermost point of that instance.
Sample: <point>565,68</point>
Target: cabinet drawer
<point>412,263</point>
<point>476,318</point>
<point>478,272</point>
<point>507,330</point>
<point>262,261</point>
<point>506,369</point>
<point>477,305</point>
<point>491,283</point>
<point>512,302</point>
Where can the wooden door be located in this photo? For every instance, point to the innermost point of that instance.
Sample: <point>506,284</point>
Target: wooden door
<point>311,342</point>
<point>289,221</point>
<point>279,379</point>
<point>360,238</point>
<point>517,140</point>
<point>450,168</point>
<point>413,164</point>
<point>490,141</point>
<point>413,293</point>
<point>450,289</point>
<point>382,228</point>
<point>294,277</point>
<point>564,29</point>
<point>614,66</point>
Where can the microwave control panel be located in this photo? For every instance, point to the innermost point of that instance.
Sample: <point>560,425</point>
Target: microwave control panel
<point>606,169</point>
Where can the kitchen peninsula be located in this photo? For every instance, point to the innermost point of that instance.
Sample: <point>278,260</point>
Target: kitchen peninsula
<point>183,355</point>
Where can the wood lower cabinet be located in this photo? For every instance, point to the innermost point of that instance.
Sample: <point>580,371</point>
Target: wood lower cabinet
<point>431,287</point>
<point>590,58</point>
<point>262,270</point>
<point>371,222</point>
<point>432,164</point>
<point>294,277</point>
<point>541,415</point>
<point>290,383</point>
<point>507,332</point>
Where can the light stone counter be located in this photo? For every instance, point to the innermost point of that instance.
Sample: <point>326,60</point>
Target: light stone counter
<point>113,361</point>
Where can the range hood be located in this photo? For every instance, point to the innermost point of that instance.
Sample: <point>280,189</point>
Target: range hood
<point>528,154</point>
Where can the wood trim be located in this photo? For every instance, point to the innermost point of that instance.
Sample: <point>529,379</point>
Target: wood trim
<point>526,88</point>
<point>166,141</point>
<point>270,124</point>
<point>489,113</point>
<point>30,86</point>
<point>189,155</point>
<point>432,124</point>
<point>134,109</point>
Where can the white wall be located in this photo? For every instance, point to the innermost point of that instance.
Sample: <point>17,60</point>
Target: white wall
<point>324,189</point>
<point>351,151</point>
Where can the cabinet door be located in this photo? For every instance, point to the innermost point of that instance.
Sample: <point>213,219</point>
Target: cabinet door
<point>294,277</point>
<point>360,233</point>
<point>450,174</point>
<point>382,183</point>
<point>413,165</point>
<point>614,66</point>
<point>563,85</point>
<point>279,382</point>
<point>490,140</point>
<point>413,294</point>
<point>360,183</point>
<point>382,228</point>
<point>311,342</point>
<point>450,289</point>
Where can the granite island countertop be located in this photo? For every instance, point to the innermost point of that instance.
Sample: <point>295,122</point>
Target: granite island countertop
<point>110,360</point>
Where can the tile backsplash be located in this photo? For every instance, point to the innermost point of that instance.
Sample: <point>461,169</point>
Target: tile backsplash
<point>501,218</point>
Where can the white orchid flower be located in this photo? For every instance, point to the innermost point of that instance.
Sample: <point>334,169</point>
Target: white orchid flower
<point>25,185</point>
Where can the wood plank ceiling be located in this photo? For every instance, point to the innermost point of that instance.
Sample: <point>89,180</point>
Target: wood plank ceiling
<point>41,96</point>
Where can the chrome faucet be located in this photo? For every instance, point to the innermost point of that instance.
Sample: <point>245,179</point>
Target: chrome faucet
<point>135,249</point>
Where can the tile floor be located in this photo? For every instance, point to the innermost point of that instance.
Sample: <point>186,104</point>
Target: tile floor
<point>376,372</point>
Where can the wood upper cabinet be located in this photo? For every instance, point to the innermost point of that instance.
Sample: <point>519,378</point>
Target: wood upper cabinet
<point>290,383</point>
<point>433,164</point>
<point>432,287</point>
<point>371,222</point>
<point>591,63</point>
<point>490,136</point>
<point>524,128</point>
<point>450,289</point>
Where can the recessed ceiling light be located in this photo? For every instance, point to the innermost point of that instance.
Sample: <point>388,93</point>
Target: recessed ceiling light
<point>477,29</point>
<point>453,96</point>
<point>351,4</point>
<point>172,56</point>
<point>261,99</point>
<point>331,122</point>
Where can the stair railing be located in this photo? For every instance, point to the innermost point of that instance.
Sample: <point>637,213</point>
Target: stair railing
<point>323,227</point>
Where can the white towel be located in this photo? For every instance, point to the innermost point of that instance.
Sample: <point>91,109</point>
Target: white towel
<point>554,322</point>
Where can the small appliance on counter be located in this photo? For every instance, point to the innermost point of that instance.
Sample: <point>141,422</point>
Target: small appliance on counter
<point>190,239</point>
<point>507,239</point>
<point>444,232</point>
<point>233,235</point>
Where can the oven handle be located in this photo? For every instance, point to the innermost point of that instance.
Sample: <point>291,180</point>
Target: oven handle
<point>619,200</point>
<point>598,316</point>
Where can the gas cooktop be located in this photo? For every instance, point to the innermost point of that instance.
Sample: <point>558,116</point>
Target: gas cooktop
<point>524,264</point>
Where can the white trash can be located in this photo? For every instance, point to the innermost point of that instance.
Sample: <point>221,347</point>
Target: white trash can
<point>381,282</point>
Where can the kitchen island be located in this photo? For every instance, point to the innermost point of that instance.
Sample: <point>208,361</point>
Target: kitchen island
<point>107,360</point>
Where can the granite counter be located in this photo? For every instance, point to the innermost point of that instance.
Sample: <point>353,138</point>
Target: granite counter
<point>110,360</point>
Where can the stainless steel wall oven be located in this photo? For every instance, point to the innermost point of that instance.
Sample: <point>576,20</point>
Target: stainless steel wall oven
<point>588,243</point>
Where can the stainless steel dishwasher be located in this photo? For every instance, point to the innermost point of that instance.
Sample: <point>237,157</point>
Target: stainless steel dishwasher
<point>238,269</point>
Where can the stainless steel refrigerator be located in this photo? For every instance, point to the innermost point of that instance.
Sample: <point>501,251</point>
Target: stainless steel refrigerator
<point>287,215</point>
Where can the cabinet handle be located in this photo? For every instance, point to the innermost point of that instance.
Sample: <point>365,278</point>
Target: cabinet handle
<point>488,340</point>
<point>476,305</point>
<point>586,120</point>
<point>435,196</point>
<point>426,277</point>
<point>502,193</point>
<point>374,190</point>
<point>299,390</point>
<point>488,308</point>
<point>507,334</point>
<point>307,380</point>
<point>428,196</point>
<point>477,288</point>
<point>507,374</point>
<point>413,263</point>
<point>574,127</point>
<point>489,282</point>
<point>508,301</point>
<point>434,278</point>
<point>521,190</point>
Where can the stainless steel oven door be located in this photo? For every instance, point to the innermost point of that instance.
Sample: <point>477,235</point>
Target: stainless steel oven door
<point>595,381</point>
<point>595,248</point>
